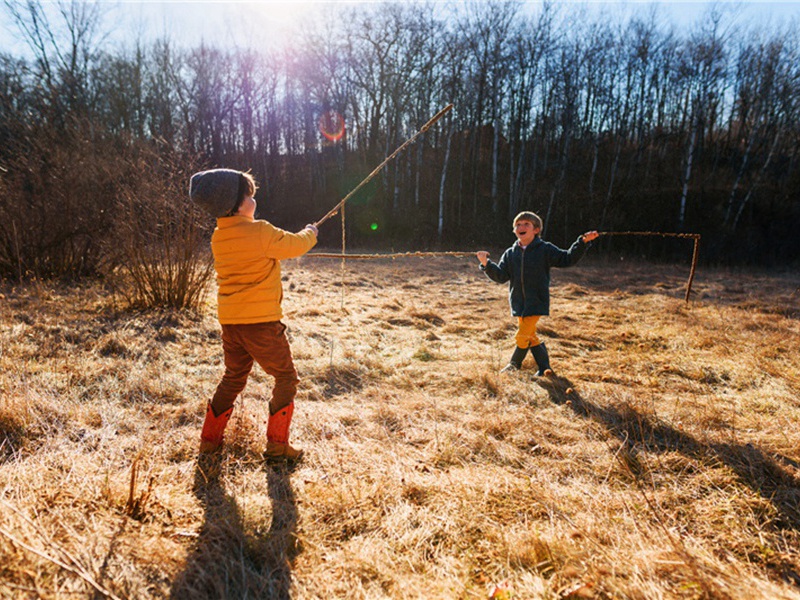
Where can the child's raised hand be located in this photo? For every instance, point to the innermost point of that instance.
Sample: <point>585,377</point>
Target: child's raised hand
<point>483,256</point>
<point>589,236</point>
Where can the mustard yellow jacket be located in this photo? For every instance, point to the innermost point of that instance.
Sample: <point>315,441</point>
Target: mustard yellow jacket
<point>247,255</point>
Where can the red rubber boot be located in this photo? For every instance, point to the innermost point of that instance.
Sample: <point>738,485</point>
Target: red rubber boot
<point>213,430</point>
<point>278,447</point>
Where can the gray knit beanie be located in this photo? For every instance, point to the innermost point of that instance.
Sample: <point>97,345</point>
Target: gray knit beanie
<point>216,191</point>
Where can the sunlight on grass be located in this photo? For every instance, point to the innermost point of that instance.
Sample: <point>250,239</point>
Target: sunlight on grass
<point>661,461</point>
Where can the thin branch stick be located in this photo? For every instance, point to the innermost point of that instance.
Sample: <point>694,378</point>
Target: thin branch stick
<point>344,247</point>
<point>75,571</point>
<point>693,236</point>
<point>377,169</point>
<point>390,255</point>
<point>46,539</point>
<point>695,251</point>
<point>694,267</point>
<point>653,233</point>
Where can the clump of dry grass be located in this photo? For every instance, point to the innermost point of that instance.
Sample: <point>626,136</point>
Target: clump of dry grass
<point>663,461</point>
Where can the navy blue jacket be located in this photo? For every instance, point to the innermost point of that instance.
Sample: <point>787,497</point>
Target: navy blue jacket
<point>528,270</point>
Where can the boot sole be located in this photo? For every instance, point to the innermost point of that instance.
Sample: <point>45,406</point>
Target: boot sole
<point>283,458</point>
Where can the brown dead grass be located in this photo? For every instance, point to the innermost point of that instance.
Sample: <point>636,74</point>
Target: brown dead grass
<point>662,462</point>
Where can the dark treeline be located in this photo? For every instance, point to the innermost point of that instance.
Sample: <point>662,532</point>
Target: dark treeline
<point>593,122</point>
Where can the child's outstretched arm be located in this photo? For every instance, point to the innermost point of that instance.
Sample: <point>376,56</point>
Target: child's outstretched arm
<point>567,258</point>
<point>279,244</point>
<point>496,272</point>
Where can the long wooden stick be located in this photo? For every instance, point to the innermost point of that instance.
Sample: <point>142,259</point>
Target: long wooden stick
<point>387,255</point>
<point>693,236</point>
<point>377,169</point>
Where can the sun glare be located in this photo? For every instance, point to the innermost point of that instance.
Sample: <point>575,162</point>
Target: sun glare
<point>331,125</point>
<point>284,18</point>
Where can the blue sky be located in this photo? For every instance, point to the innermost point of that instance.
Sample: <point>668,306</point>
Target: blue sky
<point>266,21</point>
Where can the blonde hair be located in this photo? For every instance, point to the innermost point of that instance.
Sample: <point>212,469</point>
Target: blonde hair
<point>526,215</point>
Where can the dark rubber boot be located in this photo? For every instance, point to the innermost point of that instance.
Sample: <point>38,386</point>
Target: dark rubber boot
<point>542,359</point>
<point>515,364</point>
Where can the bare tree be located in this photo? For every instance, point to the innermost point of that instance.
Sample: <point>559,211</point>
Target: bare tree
<point>487,31</point>
<point>570,113</point>
<point>64,38</point>
<point>764,76</point>
<point>704,69</point>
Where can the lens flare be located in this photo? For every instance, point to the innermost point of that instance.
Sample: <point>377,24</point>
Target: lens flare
<point>331,125</point>
<point>374,227</point>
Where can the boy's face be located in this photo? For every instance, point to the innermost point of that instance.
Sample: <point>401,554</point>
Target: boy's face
<point>525,231</point>
<point>248,207</point>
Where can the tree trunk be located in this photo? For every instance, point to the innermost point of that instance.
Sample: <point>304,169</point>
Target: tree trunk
<point>687,174</point>
<point>761,171</point>
<point>495,152</point>
<point>440,225</point>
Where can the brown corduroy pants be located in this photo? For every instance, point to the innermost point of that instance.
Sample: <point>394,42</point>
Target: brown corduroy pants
<point>266,344</point>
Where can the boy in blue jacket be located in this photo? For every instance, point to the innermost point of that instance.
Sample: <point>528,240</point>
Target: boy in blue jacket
<point>526,265</point>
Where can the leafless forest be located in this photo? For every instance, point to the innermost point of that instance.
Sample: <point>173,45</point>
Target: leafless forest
<point>592,121</point>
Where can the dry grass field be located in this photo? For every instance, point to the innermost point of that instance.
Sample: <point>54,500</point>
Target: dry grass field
<point>662,460</point>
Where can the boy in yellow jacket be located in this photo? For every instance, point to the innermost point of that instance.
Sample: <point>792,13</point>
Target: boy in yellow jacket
<point>247,254</point>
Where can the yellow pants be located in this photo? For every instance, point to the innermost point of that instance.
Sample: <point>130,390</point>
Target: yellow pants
<point>526,332</point>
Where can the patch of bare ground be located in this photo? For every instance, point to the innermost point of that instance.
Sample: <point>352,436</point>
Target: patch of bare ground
<point>662,461</point>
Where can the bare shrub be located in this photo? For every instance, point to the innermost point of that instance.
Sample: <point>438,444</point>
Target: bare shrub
<point>56,190</point>
<point>78,203</point>
<point>158,255</point>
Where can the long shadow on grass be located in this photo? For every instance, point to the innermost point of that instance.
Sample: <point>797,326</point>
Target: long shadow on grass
<point>229,562</point>
<point>755,469</point>
<point>283,543</point>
